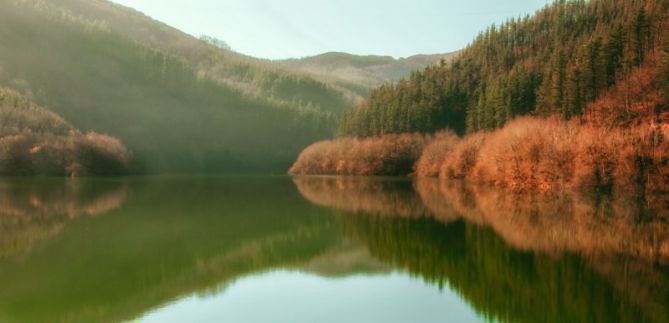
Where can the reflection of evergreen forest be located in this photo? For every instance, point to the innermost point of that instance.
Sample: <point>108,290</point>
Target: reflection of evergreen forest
<point>524,258</point>
<point>153,242</point>
<point>506,284</point>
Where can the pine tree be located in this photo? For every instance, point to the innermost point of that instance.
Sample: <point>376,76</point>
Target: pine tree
<point>664,65</point>
<point>595,73</point>
<point>615,47</point>
<point>640,37</point>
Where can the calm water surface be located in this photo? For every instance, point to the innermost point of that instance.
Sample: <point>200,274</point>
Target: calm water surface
<point>325,249</point>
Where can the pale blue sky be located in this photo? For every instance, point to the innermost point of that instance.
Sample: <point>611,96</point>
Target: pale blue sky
<point>296,28</point>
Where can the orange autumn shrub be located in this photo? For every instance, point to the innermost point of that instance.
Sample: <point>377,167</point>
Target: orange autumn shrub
<point>463,157</point>
<point>528,153</point>
<point>393,154</point>
<point>635,100</point>
<point>547,154</point>
<point>598,151</point>
<point>643,161</point>
<point>36,141</point>
<point>435,153</point>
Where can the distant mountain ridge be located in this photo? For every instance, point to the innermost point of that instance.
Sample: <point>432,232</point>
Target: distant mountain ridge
<point>363,73</point>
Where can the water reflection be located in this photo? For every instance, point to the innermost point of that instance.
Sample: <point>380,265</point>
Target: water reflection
<point>31,211</point>
<point>532,258</point>
<point>547,223</point>
<point>559,222</point>
<point>157,242</point>
<point>363,194</point>
<point>171,238</point>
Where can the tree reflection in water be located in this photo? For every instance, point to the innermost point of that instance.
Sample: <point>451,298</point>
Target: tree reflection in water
<point>532,258</point>
<point>563,257</point>
<point>31,211</point>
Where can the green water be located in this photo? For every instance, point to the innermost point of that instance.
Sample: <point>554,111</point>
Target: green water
<point>278,249</point>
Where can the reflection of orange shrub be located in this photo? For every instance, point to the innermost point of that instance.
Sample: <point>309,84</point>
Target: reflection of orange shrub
<point>559,221</point>
<point>30,213</point>
<point>384,155</point>
<point>361,194</point>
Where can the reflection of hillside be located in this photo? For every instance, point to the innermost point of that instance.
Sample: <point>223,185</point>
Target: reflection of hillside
<point>163,244</point>
<point>559,222</point>
<point>31,211</point>
<point>346,259</point>
<point>545,223</point>
<point>362,194</point>
<point>507,284</point>
<point>166,242</point>
<point>532,258</point>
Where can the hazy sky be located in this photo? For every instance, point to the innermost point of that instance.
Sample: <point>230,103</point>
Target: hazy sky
<point>297,28</point>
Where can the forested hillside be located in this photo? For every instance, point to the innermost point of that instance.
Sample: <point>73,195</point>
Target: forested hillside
<point>178,103</point>
<point>35,141</point>
<point>251,76</point>
<point>596,60</point>
<point>361,74</point>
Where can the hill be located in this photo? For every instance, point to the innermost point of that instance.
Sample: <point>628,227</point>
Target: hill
<point>35,141</point>
<point>362,73</point>
<point>593,76</point>
<point>252,76</point>
<point>597,60</point>
<point>179,103</point>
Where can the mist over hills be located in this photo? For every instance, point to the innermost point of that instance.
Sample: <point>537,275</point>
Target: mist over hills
<point>179,103</point>
<point>361,74</point>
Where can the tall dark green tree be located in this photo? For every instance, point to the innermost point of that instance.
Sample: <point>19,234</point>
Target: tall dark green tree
<point>615,47</point>
<point>640,37</point>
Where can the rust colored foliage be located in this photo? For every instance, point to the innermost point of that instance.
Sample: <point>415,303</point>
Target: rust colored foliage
<point>384,155</point>
<point>36,141</point>
<point>548,154</point>
<point>435,153</point>
<point>591,225</point>
<point>528,154</point>
<point>636,99</point>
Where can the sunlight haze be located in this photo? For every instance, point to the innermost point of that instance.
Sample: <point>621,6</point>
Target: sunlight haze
<point>298,28</point>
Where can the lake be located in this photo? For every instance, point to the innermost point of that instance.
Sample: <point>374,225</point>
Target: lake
<point>326,249</point>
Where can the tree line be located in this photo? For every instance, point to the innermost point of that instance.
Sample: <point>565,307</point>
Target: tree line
<point>36,141</point>
<point>559,61</point>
